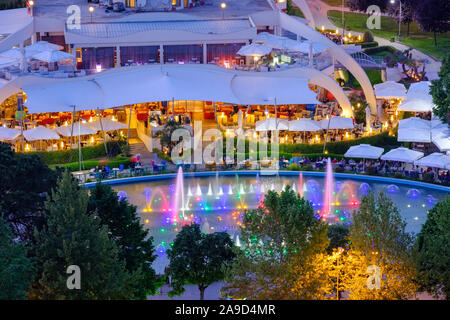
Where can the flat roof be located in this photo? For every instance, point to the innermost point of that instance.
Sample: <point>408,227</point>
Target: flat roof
<point>118,29</point>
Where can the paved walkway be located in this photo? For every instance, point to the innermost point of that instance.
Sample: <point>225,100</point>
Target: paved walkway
<point>320,10</point>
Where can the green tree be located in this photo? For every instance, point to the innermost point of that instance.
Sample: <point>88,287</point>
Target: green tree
<point>73,236</point>
<point>337,234</point>
<point>280,242</point>
<point>25,182</point>
<point>440,90</point>
<point>165,135</point>
<point>199,258</point>
<point>433,251</point>
<point>16,270</point>
<point>134,244</point>
<point>378,233</point>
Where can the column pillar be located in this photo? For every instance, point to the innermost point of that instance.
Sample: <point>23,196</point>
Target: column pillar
<point>161,54</point>
<point>205,53</point>
<point>118,61</point>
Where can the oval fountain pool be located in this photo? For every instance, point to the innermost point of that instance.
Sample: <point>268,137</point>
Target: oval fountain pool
<point>216,201</point>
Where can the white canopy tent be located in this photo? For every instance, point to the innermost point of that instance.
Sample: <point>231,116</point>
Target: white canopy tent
<point>40,133</point>
<point>78,129</point>
<point>8,134</point>
<point>16,53</point>
<point>414,123</point>
<point>7,62</point>
<point>402,155</point>
<point>390,90</point>
<point>53,56</point>
<point>418,98</point>
<point>44,46</point>
<point>414,130</point>
<point>364,151</point>
<point>270,124</point>
<point>440,136</point>
<point>414,135</point>
<point>106,124</point>
<point>337,123</point>
<point>254,50</point>
<point>434,160</point>
<point>284,43</point>
<point>304,124</point>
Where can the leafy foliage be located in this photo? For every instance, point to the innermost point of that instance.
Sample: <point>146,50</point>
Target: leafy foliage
<point>281,240</point>
<point>199,258</point>
<point>16,270</point>
<point>134,244</point>
<point>73,236</point>
<point>25,182</point>
<point>433,16</point>
<point>433,251</point>
<point>440,90</point>
<point>378,233</point>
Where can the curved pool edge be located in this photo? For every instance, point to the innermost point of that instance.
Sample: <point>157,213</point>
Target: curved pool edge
<point>165,176</point>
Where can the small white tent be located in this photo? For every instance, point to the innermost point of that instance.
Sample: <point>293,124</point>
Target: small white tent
<point>403,155</point>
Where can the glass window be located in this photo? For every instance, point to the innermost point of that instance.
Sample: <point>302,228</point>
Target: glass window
<point>183,54</point>
<point>139,55</point>
<point>98,56</point>
<point>222,54</point>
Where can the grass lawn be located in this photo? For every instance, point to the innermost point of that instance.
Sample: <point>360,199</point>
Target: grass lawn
<point>389,28</point>
<point>294,10</point>
<point>335,3</point>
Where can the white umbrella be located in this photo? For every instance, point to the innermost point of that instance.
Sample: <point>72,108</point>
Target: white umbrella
<point>254,49</point>
<point>16,53</point>
<point>284,43</point>
<point>306,46</point>
<point>8,134</point>
<point>53,56</point>
<point>419,90</point>
<point>6,62</point>
<point>434,160</point>
<point>107,124</point>
<point>45,46</point>
<point>270,124</point>
<point>390,90</point>
<point>304,124</point>
<point>403,155</point>
<point>81,130</point>
<point>337,123</point>
<point>364,151</point>
<point>40,133</point>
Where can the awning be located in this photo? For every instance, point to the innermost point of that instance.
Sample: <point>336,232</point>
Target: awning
<point>8,134</point>
<point>402,155</point>
<point>337,123</point>
<point>150,83</point>
<point>390,90</point>
<point>106,124</point>
<point>40,133</point>
<point>270,124</point>
<point>364,151</point>
<point>434,160</point>
<point>304,124</point>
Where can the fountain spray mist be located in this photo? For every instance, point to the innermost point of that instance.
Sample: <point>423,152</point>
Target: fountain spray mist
<point>328,196</point>
<point>179,194</point>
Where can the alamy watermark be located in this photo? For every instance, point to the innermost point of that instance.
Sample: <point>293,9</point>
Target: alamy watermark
<point>74,280</point>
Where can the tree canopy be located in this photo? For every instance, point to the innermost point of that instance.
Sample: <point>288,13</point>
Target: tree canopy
<point>16,269</point>
<point>133,241</point>
<point>280,243</point>
<point>72,236</point>
<point>199,258</point>
<point>440,90</point>
<point>433,251</point>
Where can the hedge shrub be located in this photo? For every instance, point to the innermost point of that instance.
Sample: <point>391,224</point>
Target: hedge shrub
<point>88,153</point>
<point>371,44</point>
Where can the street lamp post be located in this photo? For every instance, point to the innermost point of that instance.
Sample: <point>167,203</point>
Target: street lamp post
<point>223,5</point>
<point>399,18</point>
<point>91,10</point>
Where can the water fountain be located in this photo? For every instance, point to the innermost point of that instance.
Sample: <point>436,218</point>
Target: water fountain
<point>300,185</point>
<point>148,200</point>
<point>179,195</point>
<point>328,194</point>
